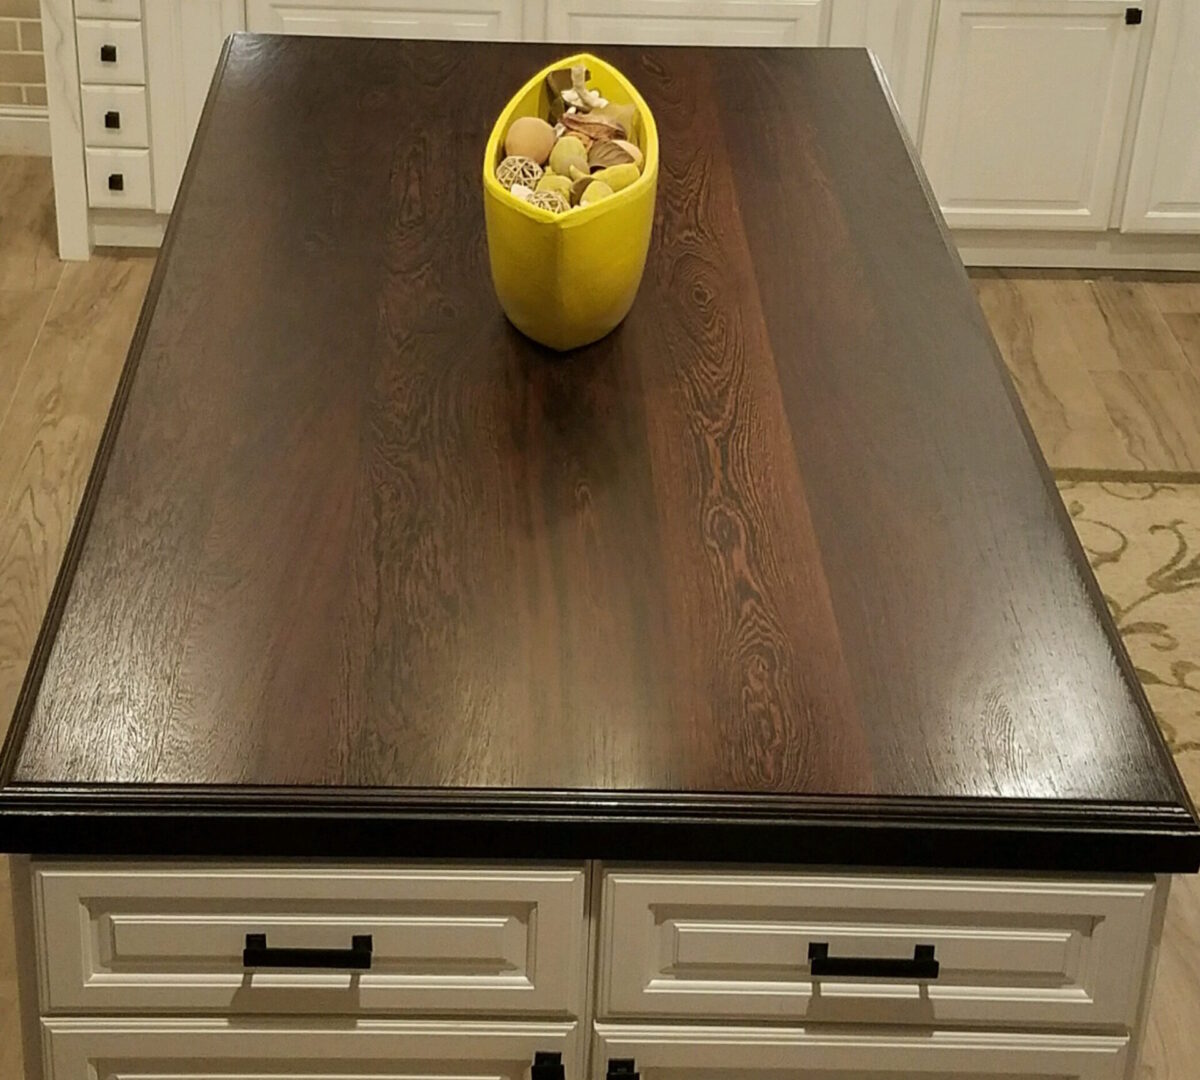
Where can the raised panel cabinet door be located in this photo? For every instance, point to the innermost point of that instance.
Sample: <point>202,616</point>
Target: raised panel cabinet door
<point>183,43</point>
<point>1026,111</point>
<point>898,33</point>
<point>689,22</point>
<point>464,20</point>
<point>218,1049</point>
<point>1164,175</point>
<point>716,1053</point>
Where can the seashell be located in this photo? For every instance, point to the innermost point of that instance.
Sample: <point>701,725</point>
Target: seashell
<point>613,152</point>
<point>531,137</point>
<point>596,128</point>
<point>588,99</point>
<point>553,201</point>
<point>518,170</point>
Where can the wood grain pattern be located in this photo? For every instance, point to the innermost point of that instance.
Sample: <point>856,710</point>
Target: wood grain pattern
<point>784,534</point>
<point>1172,1043</point>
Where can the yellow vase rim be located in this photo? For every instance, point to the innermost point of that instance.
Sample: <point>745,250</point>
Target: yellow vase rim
<point>577,214</point>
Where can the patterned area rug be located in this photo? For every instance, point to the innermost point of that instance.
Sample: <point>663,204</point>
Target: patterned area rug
<point>1143,541</point>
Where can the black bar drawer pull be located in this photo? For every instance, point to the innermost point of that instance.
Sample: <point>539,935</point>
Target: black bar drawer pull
<point>923,965</point>
<point>357,957</point>
<point>547,1065</point>
<point>622,1069</point>
<point>108,54</point>
<point>112,120</point>
<point>116,181</point>
<point>1133,16</point>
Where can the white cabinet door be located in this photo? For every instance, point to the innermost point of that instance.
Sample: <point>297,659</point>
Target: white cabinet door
<point>715,1053</point>
<point>183,43</point>
<point>1164,177</point>
<point>1027,109</point>
<point>897,32</point>
<point>464,20</point>
<point>688,22</point>
<point>111,1049</point>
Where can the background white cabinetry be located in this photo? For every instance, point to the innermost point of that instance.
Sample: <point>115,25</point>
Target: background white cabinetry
<point>464,20</point>
<point>183,42</point>
<point>1026,111</point>
<point>1164,176</point>
<point>688,22</point>
<point>898,33</point>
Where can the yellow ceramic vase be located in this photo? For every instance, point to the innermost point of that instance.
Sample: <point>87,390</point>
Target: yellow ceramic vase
<point>568,279</point>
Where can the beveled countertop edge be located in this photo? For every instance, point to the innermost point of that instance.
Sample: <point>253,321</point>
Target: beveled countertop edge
<point>943,834</point>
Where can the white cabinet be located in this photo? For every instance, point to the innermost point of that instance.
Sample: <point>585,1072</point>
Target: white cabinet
<point>687,22</point>
<point>1027,111</point>
<point>183,42</point>
<point>464,20</point>
<point>715,1053</point>
<point>180,1049</point>
<point>1164,177</point>
<point>898,33</point>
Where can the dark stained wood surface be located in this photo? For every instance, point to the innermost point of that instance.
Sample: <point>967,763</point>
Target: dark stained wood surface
<point>782,536</point>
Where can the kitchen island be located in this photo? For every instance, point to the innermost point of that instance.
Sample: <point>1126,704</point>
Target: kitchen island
<point>730,696</point>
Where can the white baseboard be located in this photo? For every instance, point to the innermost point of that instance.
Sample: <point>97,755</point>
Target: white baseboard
<point>1083,250</point>
<point>25,130</point>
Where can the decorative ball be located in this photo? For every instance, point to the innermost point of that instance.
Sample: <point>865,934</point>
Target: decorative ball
<point>549,200</point>
<point>530,137</point>
<point>518,170</point>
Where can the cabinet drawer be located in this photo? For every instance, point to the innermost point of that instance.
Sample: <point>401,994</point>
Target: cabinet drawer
<point>114,1049</point>
<point>110,52</point>
<point>108,9</point>
<point>119,178</point>
<point>723,1053</point>
<point>132,939</point>
<point>114,116</point>
<point>737,946</point>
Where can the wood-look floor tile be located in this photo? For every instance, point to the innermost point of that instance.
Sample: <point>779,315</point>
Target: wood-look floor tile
<point>1135,334</point>
<point>1156,414</point>
<point>1178,297</point>
<point>28,237</point>
<point>10,1021</point>
<point>49,438</point>
<point>1068,414</point>
<point>1172,1046</point>
<point>22,312</point>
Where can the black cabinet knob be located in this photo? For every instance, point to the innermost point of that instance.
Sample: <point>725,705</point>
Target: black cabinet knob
<point>623,1069</point>
<point>116,181</point>
<point>1133,16</point>
<point>112,120</point>
<point>547,1066</point>
<point>108,54</point>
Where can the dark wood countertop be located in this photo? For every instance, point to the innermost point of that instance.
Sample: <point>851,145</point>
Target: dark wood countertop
<point>773,572</point>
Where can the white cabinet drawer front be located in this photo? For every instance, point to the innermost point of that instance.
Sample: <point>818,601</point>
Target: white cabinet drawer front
<point>711,1053</point>
<point>444,941</point>
<point>119,178</point>
<point>114,116</point>
<point>110,52</point>
<point>108,9</point>
<point>688,22</point>
<point>469,20</point>
<point>732,946</point>
<point>113,1049</point>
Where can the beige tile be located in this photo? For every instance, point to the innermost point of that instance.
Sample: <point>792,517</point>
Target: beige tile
<point>28,244</point>
<point>35,95</point>
<point>9,39</point>
<point>1135,335</point>
<point>26,9</point>
<point>22,312</point>
<point>1068,415</point>
<point>11,95</point>
<point>1156,414</point>
<point>18,67</point>
<point>1172,1047</point>
<point>49,438</point>
<point>31,35</point>
<point>1175,296</point>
